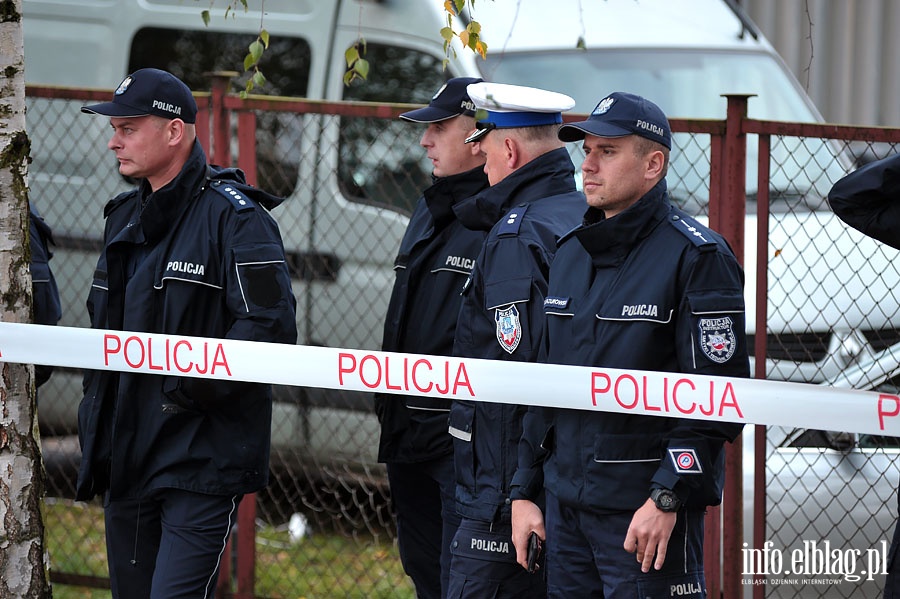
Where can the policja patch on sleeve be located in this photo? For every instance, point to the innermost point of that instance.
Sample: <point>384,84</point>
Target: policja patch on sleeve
<point>509,327</point>
<point>717,340</point>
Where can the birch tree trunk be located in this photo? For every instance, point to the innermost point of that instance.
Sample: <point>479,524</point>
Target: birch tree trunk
<point>22,570</point>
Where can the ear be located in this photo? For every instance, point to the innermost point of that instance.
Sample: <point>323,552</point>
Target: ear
<point>656,160</point>
<point>512,153</point>
<point>175,129</point>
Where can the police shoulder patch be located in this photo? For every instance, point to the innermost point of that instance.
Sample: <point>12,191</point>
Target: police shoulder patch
<point>509,327</point>
<point>510,223</point>
<point>235,194</point>
<point>717,339</point>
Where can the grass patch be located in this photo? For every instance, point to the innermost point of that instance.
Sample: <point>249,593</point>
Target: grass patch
<point>322,565</point>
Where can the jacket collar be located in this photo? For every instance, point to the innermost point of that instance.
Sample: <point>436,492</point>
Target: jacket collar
<point>608,241</point>
<point>165,205</point>
<point>446,192</point>
<point>547,175</point>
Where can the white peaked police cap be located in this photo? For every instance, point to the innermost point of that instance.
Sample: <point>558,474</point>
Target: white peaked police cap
<point>504,106</point>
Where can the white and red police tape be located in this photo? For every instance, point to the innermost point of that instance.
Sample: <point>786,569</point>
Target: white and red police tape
<point>674,395</point>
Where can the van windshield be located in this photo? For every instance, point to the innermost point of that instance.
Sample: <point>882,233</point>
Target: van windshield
<point>684,83</point>
<point>690,84</point>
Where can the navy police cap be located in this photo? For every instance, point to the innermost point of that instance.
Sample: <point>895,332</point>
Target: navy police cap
<point>146,92</point>
<point>504,106</point>
<point>449,101</point>
<point>620,114</point>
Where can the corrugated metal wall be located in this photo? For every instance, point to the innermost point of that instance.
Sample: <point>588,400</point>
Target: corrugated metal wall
<point>844,52</point>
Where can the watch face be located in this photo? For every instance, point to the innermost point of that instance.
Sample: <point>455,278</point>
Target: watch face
<point>665,500</point>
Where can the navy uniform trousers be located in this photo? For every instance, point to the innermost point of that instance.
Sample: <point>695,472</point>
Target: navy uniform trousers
<point>586,557</point>
<point>169,545</point>
<point>425,508</point>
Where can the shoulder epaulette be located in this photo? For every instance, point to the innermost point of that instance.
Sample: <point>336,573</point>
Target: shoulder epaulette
<point>694,231</point>
<point>236,193</point>
<point>509,224</point>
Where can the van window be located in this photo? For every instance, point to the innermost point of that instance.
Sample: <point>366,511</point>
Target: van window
<point>286,63</point>
<point>381,161</point>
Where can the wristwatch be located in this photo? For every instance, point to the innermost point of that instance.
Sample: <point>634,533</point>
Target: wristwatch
<point>665,500</point>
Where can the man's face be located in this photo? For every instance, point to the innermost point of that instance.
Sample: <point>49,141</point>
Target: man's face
<point>446,147</point>
<point>613,175</point>
<point>141,145</point>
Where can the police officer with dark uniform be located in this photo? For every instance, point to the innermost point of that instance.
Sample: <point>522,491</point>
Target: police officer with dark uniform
<point>435,258</point>
<point>192,251</point>
<point>639,285</point>
<point>531,203</point>
<point>45,294</point>
<point>868,200</point>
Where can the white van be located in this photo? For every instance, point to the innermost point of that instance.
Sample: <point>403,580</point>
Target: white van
<point>342,224</point>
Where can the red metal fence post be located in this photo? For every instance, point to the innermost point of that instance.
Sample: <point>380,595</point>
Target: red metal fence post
<point>246,536</point>
<point>760,349</point>
<point>244,542</point>
<point>220,152</point>
<point>727,215</point>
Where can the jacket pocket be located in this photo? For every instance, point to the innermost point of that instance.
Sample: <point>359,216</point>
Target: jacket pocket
<point>622,466</point>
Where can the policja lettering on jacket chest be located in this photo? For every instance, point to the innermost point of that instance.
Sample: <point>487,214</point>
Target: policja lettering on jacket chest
<point>640,310</point>
<point>460,262</point>
<point>186,267</point>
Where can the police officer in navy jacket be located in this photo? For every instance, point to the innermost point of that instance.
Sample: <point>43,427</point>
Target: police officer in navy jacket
<point>868,200</point>
<point>45,294</point>
<point>639,285</point>
<point>435,258</point>
<point>191,251</point>
<point>531,203</point>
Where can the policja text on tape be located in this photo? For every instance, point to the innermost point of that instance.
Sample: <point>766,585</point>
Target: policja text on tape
<point>672,395</point>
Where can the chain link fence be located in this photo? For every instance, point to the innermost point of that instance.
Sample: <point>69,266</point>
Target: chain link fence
<point>324,527</point>
<point>833,310</point>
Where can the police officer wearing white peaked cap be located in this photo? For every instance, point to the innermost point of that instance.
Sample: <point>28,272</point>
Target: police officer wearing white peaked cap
<point>531,203</point>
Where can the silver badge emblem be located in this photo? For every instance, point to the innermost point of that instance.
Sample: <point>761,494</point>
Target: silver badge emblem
<point>123,86</point>
<point>604,105</point>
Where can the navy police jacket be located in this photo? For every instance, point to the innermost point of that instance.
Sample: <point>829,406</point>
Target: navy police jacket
<point>650,289</point>
<point>501,317</point>
<point>45,294</point>
<point>203,258</point>
<point>435,258</point>
<point>868,200</point>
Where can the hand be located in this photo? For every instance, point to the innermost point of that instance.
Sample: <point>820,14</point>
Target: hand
<point>526,517</point>
<point>648,534</point>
